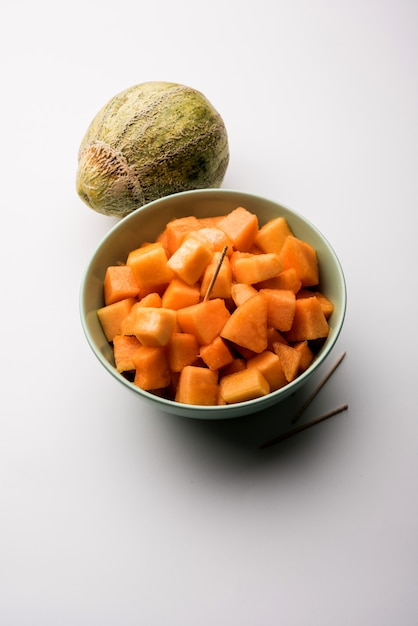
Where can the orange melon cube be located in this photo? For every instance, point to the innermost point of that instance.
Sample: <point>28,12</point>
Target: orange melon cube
<point>154,326</point>
<point>271,367</point>
<point>177,229</point>
<point>302,257</point>
<point>273,336</point>
<point>256,267</point>
<point>281,306</point>
<point>222,285</point>
<point>306,354</point>
<point>119,283</point>
<point>182,350</point>
<point>216,354</point>
<point>124,348</point>
<point>179,294</point>
<point>213,238</point>
<point>289,358</point>
<point>151,368</point>
<point>240,292</point>
<point>326,304</point>
<point>244,385</point>
<point>287,279</point>
<point>247,325</point>
<point>190,260</point>
<point>150,267</point>
<point>197,385</point>
<point>205,320</point>
<point>151,299</point>
<point>271,236</point>
<point>237,365</point>
<point>111,316</point>
<point>309,322</point>
<point>241,227</point>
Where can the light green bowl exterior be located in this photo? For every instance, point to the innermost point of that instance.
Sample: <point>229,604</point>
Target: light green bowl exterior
<point>145,224</point>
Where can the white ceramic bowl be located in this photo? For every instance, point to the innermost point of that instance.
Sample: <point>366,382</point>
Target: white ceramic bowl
<point>145,224</point>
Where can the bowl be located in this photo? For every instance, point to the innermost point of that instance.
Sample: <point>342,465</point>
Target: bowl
<point>145,224</point>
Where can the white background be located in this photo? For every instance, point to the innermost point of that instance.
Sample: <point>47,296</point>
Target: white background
<point>113,514</point>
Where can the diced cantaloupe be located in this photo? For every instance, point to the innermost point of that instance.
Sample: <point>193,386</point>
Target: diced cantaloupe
<point>309,322</point>
<point>247,325</point>
<point>241,226</point>
<point>289,358</point>
<point>302,257</point>
<point>281,306</point>
<point>151,368</point>
<point>214,238</point>
<point>112,315</point>
<point>151,299</point>
<point>177,229</point>
<point>205,320</point>
<point>244,385</point>
<point>222,285</point>
<point>271,236</point>
<point>182,350</point>
<point>190,260</point>
<point>119,283</point>
<point>154,325</point>
<point>287,279</point>
<point>197,386</point>
<point>216,354</point>
<point>240,292</point>
<point>306,354</point>
<point>237,365</point>
<point>274,336</point>
<point>256,268</point>
<point>326,304</point>
<point>179,294</point>
<point>271,367</point>
<point>150,267</point>
<point>124,348</point>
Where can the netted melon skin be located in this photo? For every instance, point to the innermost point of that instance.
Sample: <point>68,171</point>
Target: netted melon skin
<point>149,141</point>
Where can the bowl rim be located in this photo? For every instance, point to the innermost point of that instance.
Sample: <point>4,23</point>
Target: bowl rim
<point>217,411</point>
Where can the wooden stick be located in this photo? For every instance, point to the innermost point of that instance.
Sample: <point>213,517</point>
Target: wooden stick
<point>317,389</point>
<point>298,429</point>
<point>215,275</point>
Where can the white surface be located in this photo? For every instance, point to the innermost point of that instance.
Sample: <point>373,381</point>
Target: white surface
<point>117,515</point>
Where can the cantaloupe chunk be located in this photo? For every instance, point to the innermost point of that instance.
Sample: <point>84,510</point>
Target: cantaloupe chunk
<point>151,368</point>
<point>112,315</point>
<point>287,279</point>
<point>216,354</point>
<point>222,285</point>
<point>154,325</point>
<point>241,227</point>
<point>244,385</point>
<point>326,304</point>
<point>309,322</point>
<point>179,294</point>
<point>306,354</point>
<point>302,257</point>
<point>119,283</point>
<point>237,365</point>
<point>256,267</point>
<point>205,320</point>
<point>271,236</point>
<point>151,299</point>
<point>281,306</point>
<point>247,325</point>
<point>190,260</point>
<point>214,238</point>
<point>177,229</point>
<point>182,350</point>
<point>240,292</point>
<point>150,267</point>
<point>289,358</point>
<point>198,386</point>
<point>274,336</point>
<point>271,367</point>
<point>124,348</point>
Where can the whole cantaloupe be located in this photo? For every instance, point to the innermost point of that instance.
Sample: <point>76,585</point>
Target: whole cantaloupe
<point>149,141</point>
